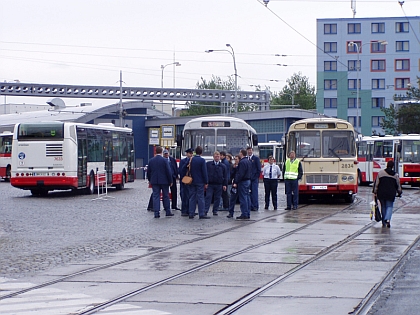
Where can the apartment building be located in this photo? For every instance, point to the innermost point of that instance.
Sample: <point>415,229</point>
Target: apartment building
<point>362,63</point>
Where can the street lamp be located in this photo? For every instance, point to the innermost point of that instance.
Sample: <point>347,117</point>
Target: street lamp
<point>162,67</point>
<point>234,66</point>
<point>358,47</point>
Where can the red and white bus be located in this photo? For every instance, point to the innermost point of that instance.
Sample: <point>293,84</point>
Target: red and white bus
<point>375,151</point>
<point>65,155</point>
<point>6,154</point>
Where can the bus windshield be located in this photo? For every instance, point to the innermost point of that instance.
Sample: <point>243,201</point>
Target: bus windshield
<point>228,140</point>
<point>41,131</point>
<point>410,151</point>
<point>333,144</point>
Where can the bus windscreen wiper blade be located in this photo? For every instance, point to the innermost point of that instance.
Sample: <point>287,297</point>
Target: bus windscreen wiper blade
<point>307,154</point>
<point>335,154</point>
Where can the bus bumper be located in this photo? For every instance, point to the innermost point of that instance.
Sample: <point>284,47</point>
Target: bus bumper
<point>46,182</point>
<point>328,189</point>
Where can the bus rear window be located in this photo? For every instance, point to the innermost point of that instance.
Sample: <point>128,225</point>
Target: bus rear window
<point>47,131</point>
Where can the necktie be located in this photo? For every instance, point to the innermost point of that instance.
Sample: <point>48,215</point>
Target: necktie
<point>271,168</point>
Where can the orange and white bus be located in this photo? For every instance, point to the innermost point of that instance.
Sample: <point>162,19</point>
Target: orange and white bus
<point>326,148</point>
<point>6,154</point>
<point>375,151</point>
<point>65,155</point>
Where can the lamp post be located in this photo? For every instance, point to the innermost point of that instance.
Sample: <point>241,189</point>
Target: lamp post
<point>358,47</point>
<point>232,52</point>
<point>162,67</point>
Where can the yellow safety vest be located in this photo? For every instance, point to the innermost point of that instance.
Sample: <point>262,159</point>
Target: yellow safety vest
<point>292,169</point>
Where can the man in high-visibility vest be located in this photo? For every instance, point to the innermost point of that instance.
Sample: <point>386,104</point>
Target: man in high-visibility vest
<point>292,173</point>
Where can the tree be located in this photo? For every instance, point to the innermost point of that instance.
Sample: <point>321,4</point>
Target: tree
<point>405,118</point>
<point>297,90</point>
<point>209,108</point>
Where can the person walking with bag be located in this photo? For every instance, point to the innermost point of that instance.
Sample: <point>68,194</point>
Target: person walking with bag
<point>386,187</point>
<point>271,173</point>
<point>159,175</point>
<point>184,188</point>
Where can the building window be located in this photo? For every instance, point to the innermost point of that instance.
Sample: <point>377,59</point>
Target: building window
<point>378,102</point>
<point>377,121</point>
<point>377,65</point>
<point>352,84</point>
<point>402,83</point>
<point>330,103</point>
<point>330,47</point>
<point>352,120</point>
<point>402,65</point>
<point>352,102</point>
<point>330,65</point>
<point>401,27</point>
<point>403,45</point>
<point>378,84</point>
<point>353,65</point>
<point>330,84</point>
<point>354,28</point>
<point>376,47</point>
<point>353,48</point>
<point>330,28</point>
<point>378,28</point>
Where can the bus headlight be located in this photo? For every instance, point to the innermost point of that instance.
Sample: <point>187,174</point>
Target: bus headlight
<point>350,178</point>
<point>344,178</point>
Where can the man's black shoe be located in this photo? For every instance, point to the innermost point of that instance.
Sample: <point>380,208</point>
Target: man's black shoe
<point>229,216</point>
<point>170,215</point>
<point>184,215</point>
<point>191,217</point>
<point>176,209</point>
<point>150,209</point>
<point>265,208</point>
<point>287,208</point>
<point>204,217</point>
<point>294,208</point>
<point>215,213</point>
<point>242,217</point>
<point>157,216</point>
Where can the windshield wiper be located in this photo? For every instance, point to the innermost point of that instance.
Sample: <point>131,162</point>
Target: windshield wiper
<point>307,154</point>
<point>335,154</point>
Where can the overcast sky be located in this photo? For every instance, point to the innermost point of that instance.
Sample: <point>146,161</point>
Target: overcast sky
<point>88,42</point>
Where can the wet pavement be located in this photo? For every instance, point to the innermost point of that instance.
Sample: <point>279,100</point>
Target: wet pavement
<point>316,260</point>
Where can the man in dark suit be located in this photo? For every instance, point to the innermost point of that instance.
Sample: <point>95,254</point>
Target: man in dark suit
<point>217,173</point>
<point>159,175</point>
<point>184,189</point>
<point>255,178</point>
<point>242,183</point>
<point>174,168</point>
<point>199,175</point>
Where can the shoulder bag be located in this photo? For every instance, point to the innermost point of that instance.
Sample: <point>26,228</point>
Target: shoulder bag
<point>187,179</point>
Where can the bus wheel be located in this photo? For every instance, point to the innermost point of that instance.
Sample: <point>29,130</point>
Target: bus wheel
<point>359,178</point>
<point>8,174</point>
<point>91,189</point>
<point>349,198</point>
<point>35,192</point>
<point>121,186</point>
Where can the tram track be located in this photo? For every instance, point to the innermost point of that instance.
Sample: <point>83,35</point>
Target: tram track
<point>231,308</point>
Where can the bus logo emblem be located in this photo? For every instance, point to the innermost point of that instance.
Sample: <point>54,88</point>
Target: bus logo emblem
<point>21,156</point>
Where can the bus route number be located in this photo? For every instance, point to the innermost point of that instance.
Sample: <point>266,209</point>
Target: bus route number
<point>347,165</point>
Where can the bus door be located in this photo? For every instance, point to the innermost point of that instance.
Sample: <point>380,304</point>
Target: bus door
<point>369,161</point>
<point>397,155</point>
<point>108,157</point>
<point>81,158</point>
<point>130,160</point>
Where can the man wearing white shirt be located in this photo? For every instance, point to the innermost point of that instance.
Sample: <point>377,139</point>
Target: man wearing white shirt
<point>271,173</point>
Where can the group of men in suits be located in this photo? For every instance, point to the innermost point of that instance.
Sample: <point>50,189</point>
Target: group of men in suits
<point>209,181</point>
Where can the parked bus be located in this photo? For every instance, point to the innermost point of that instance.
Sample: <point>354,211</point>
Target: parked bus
<point>6,155</point>
<point>326,148</point>
<point>217,133</point>
<point>375,151</point>
<point>65,155</point>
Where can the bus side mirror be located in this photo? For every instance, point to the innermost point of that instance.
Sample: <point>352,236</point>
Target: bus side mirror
<point>179,140</point>
<point>254,140</point>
